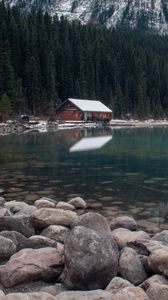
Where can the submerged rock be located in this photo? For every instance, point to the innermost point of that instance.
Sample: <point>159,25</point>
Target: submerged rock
<point>91,259</point>
<point>31,198</point>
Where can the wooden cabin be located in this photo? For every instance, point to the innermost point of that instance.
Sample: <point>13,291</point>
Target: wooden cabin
<point>83,110</point>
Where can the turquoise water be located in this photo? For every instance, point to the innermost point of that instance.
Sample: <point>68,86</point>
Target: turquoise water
<point>117,171</point>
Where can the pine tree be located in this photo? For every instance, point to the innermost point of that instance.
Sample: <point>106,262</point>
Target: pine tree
<point>33,85</point>
<point>5,107</point>
<point>44,59</point>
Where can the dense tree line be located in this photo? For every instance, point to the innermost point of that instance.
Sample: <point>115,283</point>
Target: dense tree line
<point>44,60</point>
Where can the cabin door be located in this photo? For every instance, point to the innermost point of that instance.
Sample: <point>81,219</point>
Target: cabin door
<point>88,116</point>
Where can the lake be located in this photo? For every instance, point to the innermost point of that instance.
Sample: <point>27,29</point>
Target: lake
<point>117,171</point>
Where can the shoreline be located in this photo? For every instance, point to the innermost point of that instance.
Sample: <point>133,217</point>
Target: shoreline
<point>15,127</point>
<point>53,250</point>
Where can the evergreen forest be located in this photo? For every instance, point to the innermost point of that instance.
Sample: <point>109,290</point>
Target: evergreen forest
<point>44,60</point>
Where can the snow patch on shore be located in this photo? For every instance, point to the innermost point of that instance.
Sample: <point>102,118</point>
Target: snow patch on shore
<point>14,127</point>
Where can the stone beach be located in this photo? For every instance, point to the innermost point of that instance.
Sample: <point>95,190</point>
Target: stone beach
<point>53,250</point>
<point>43,125</point>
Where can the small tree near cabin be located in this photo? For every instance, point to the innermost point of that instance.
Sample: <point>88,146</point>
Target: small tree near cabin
<point>5,107</point>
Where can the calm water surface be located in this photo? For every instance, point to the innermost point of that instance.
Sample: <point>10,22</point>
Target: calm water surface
<point>117,171</point>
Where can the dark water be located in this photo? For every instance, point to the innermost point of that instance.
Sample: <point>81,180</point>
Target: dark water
<point>123,170</point>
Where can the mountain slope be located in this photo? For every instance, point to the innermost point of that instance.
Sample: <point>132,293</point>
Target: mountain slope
<point>149,15</point>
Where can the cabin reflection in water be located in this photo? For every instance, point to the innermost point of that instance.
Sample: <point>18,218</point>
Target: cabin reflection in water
<point>90,143</point>
<point>84,139</point>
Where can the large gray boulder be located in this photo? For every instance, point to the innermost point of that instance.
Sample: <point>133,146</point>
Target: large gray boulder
<point>123,222</point>
<point>7,248</point>
<point>20,224</point>
<point>91,259</point>
<point>95,222</point>
<point>56,232</point>
<point>130,266</point>
<point>84,295</point>
<point>123,236</point>
<point>44,217</point>
<point>30,265</point>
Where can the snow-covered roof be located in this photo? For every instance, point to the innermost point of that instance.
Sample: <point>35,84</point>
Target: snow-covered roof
<point>90,143</point>
<point>90,105</point>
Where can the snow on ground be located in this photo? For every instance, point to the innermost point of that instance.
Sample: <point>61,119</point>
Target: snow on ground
<point>14,127</point>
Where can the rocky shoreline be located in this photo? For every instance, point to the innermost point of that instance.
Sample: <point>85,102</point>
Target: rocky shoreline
<point>15,127</point>
<point>60,251</point>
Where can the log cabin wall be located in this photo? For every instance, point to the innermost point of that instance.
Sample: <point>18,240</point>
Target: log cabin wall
<point>69,112</point>
<point>101,116</point>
